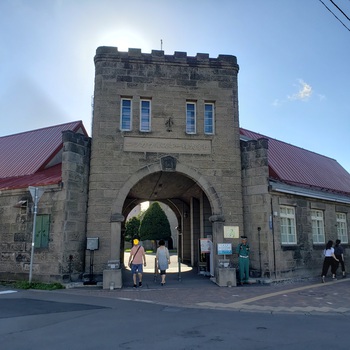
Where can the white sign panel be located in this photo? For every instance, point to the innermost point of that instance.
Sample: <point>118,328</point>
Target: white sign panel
<point>205,245</point>
<point>224,248</point>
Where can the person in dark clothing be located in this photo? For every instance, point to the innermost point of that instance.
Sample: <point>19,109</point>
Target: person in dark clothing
<point>329,261</point>
<point>243,252</point>
<point>339,254</point>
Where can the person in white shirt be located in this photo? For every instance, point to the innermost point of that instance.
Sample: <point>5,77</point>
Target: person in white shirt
<point>162,260</point>
<point>329,261</point>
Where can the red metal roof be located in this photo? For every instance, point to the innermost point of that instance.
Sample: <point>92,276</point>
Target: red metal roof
<point>298,166</point>
<point>45,177</point>
<point>25,157</point>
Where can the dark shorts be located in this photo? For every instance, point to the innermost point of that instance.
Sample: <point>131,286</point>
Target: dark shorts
<point>136,268</point>
<point>162,272</point>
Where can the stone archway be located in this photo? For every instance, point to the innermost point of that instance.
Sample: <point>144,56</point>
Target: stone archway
<point>149,176</point>
<point>198,178</point>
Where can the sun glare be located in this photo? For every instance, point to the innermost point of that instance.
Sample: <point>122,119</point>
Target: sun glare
<point>124,39</point>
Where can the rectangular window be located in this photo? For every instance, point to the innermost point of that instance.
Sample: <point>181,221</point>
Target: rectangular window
<point>209,118</point>
<point>288,228</point>
<point>190,118</point>
<point>125,114</point>
<point>317,227</point>
<point>342,228</point>
<point>42,231</point>
<point>145,115</point>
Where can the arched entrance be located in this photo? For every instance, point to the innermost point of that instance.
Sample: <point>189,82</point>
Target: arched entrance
<point>185,191</point>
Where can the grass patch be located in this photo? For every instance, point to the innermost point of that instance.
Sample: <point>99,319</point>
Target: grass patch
<point>33,285</point>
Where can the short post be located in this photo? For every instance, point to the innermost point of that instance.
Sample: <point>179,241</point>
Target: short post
<point>70,267</point>
<point>155,270</point>
<point>259,229</point>
<point>179,269</point>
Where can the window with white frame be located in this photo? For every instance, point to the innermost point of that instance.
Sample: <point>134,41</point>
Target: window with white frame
<point>342,228</point>
<point>145,115</point>
<point>209,118</point>
<point>317,225</point>
<point>190,117</point>
<point>288,227</point>
<point>125,114</point>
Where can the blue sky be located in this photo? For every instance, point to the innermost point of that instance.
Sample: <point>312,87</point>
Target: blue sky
<point>293,55</point>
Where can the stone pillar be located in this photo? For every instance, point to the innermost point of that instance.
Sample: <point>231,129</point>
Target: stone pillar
<point>218,235</point>
<point>116,231</point>
<point>113,277</point>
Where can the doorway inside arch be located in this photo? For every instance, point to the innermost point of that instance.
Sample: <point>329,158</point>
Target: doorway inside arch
<point>187,208</point>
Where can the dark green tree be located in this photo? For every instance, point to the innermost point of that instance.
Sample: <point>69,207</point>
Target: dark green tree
<point>155,224</point>
<point>132,228</point>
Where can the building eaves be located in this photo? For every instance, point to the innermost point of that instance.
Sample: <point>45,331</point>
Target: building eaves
<point>50,176</point>
<point>309,192</point>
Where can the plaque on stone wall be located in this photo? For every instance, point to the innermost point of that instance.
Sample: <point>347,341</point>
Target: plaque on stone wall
<point>152,144</point>
<point>168,163</point>
<point>231,231</point>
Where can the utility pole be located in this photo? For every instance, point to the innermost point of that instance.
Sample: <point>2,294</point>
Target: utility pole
<point>36,193</point>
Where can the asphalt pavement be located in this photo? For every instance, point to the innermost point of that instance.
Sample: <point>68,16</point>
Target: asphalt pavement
<point>190,314</point>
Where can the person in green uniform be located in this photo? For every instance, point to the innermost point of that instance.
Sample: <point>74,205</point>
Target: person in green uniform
<point>243,251</point>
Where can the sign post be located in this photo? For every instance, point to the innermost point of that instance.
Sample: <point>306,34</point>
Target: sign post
<point>36,193</point>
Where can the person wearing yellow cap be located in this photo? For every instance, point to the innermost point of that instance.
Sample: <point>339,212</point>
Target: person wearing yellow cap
<point>137,259</point>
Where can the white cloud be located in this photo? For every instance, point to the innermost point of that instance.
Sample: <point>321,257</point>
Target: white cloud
<point>304,93</point>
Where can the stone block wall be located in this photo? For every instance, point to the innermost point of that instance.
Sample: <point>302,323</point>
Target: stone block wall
<point>66,204</point>
<point>16,225</point>
<point>257,208</point>
<point>14,238</point>
<point>305,258</point>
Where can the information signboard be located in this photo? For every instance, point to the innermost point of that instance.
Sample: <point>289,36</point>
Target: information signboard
<point>224,248</point>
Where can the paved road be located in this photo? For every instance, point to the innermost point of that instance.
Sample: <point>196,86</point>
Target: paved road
<point>193,313</point>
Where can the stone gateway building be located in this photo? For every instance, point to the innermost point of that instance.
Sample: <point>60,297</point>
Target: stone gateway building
<point>166,128</point>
